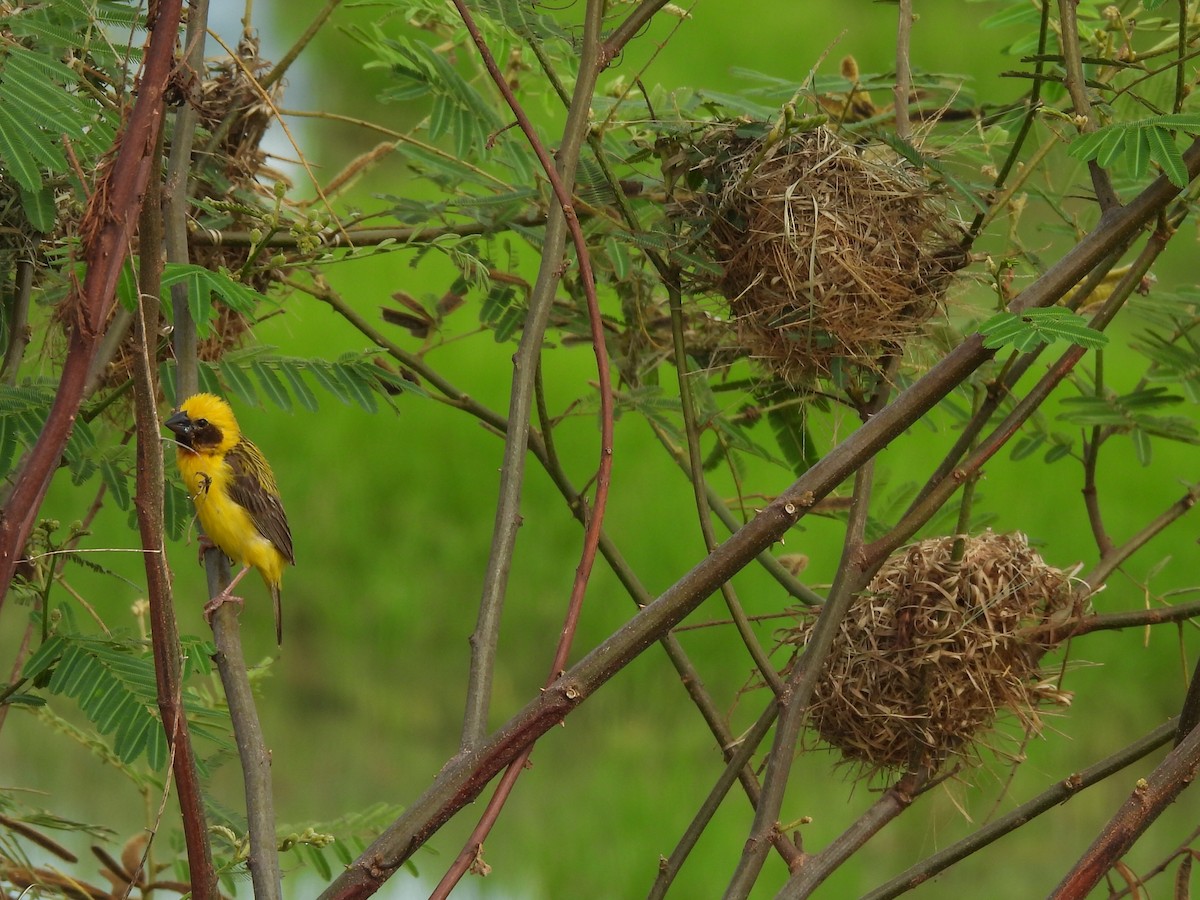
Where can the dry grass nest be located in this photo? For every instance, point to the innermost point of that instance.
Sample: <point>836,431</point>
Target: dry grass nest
<point>831,253</point>
<point>934,649</point>
<point>231,170</point>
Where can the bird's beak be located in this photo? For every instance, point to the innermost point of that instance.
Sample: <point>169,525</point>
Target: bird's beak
<point>180,424</point>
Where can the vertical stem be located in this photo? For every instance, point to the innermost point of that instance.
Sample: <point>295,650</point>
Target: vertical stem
<point>525,364</point>
<point>18,314</point>
<point>903,87</point>
<point>1077,87</point>
<point>794,700</point>
<point>175,207</point>
<point>148,503</point>
<point>252,749</point>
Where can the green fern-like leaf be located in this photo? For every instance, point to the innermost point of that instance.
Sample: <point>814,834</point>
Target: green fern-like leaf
<point>790,426</point>
<point>1139,142</point>
<point>202,285</point>
<point>114,685</point>
<point>1136,412</point>
<point>304,395</point>
<point>1025,331</point>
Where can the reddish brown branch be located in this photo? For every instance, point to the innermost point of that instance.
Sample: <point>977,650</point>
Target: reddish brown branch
<point>1150,797</point>
<point>168,666</point>
<point>107,228</point>
<point>595,521</point>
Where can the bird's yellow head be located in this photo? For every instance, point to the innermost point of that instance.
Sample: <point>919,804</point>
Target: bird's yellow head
<point>204,423</point>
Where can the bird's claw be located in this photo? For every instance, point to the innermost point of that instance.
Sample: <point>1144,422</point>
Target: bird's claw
<point>218,601</point>
<point>205,544</point>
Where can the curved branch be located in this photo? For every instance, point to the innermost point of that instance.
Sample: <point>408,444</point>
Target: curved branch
<point>594,522</point>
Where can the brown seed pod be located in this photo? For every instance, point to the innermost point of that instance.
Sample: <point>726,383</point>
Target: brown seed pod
<point>832,253</point>
<point>934,649</point>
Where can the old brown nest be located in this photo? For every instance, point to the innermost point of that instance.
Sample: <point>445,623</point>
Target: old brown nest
<point>831,253</point>
<point>234,116</point>
<point>231,171</point>
<point>935,649</point>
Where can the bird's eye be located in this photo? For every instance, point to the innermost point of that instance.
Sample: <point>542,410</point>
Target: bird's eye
<point>202,423</point>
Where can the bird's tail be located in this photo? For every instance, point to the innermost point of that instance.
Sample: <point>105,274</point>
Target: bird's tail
<point>278,614</point>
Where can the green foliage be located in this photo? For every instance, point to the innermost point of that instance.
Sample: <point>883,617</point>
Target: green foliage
<point>114,685</point>
<point>1029,329</point>
<point>43,102</point>
<point>343,838</point>
<point>1138,143</point>
<point>1135,413</point>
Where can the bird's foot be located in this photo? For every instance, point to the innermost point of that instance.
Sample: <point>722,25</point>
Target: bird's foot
<point>205,544</point>
<point>220,600</point>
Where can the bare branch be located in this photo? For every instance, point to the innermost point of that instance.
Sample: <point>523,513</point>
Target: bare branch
<point>1049,799</point>
<point>1149,798</point>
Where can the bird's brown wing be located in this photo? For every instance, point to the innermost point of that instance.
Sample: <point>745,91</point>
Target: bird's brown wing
<point>253,488</point>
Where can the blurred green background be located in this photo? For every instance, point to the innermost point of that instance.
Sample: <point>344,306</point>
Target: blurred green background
<point>392,517</point>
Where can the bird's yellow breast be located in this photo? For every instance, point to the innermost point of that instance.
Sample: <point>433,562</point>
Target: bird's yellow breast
<point>226,523</point>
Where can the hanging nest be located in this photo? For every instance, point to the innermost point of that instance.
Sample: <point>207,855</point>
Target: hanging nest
<point>233,117</point>
<point>831,253</point>
<point>934,649</point>
<point>230,172</point>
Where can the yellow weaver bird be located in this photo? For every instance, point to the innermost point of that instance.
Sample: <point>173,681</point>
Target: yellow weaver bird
<point>234,491</point>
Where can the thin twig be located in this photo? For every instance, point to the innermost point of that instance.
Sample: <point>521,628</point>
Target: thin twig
<point>175,205</point>
<point>18,312</point>
<point>562,219</point>
<point>1091,460</point>
<point>483,642</point>
<point>1108,563</point>
<point>1077,87</point>
<point>285,61</point>
<point>363,237</point>
<point>629,28</point>
<point>903,86</point>
<point>696,465</point>
<point>1054,796</point>
<point>1056,632</point>
<point>1181,91</point>
<point>1032,105</point>
<point>737,761</point>
<point>148,503</point>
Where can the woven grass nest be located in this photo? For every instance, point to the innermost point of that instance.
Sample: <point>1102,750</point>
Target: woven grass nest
<point>831,253</point>
<point>234,117</point>
<point>934,650</point>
